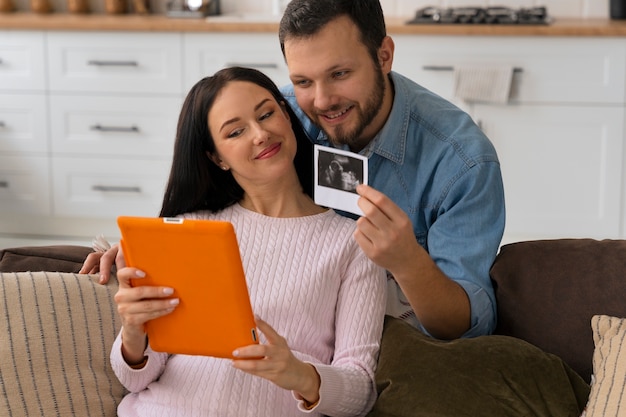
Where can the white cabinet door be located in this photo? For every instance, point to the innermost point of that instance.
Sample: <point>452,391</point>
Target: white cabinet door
<point>206,53</point>
<point>561,166</point>
<point>22,61</point>
<point>107,188</point>
<point>23,123</point>
<point>105,126</point>
<point>549,70</point>
<point>24,185</point>
<point>115,62</point>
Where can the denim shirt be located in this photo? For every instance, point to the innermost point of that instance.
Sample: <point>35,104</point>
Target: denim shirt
<point>432,160</point>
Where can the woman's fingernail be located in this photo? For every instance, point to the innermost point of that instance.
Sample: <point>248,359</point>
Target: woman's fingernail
<point>139,273</point>
<point>174,301</point>
<point>235,353</point>
<point>101,279</point>
<point>168,291</point>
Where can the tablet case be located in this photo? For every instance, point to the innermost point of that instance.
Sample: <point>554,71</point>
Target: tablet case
<point>200,259</point>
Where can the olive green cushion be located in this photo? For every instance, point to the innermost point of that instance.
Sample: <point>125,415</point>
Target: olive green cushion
<point>484,376</point>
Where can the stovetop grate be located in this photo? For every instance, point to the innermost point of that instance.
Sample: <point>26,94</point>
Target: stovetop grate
<point>481,15</point>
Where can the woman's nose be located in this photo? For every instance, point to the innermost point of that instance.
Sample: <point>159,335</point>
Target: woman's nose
<point>260,134</point>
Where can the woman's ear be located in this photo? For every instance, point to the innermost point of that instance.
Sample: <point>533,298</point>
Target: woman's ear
<point>217,161</point>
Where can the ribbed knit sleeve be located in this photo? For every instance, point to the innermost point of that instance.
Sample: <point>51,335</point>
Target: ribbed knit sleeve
<point>310,281</point>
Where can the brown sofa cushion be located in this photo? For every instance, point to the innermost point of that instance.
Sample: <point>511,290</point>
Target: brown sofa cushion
<point>61,258</point>
<point>484,376</point>
<point>548,291</point>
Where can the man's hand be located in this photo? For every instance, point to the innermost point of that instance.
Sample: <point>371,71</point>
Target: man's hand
<point>103,262</point>
<point>385,234</point>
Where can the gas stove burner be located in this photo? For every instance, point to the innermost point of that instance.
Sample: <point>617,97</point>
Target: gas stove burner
<point>482,15</point>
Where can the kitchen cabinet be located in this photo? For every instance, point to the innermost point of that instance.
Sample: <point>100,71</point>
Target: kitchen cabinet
<point>24,165</point>
<point>206,53</point>
<point>87,123</point>
<point>560,138</point>
<point>91,136</point>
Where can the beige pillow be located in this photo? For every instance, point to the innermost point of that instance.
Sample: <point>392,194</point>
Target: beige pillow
<point>607,395</point>
<point>56,335</point>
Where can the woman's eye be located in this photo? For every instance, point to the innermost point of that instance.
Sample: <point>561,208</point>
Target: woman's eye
<point>234,133</point>
<point>266,115</point>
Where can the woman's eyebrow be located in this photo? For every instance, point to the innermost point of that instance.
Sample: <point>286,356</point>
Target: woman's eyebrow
<point>234,119</point>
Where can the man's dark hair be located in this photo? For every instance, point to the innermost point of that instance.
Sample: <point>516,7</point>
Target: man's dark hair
<point>304,18</point>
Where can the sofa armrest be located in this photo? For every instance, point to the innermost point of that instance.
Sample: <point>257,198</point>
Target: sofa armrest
<point>548,290</point>
<point>60,258</point>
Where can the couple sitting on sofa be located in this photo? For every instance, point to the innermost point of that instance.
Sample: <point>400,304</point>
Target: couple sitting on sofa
<point>250,179</point>
<point>241,168</point>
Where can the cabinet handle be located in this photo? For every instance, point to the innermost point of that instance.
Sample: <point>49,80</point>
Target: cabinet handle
<point>116,188</point>
<point>451,68</point>
<point>101,128</point>
<point>4,184</point>
<point>99,63</point>
<point>267,65</point>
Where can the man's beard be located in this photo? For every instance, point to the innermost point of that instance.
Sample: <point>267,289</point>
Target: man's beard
<point>365,116</point>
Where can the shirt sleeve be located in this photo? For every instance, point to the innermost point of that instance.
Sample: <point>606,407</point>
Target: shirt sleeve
<point>472,212</point>
<point>347,384</point>
<point>136,380</point>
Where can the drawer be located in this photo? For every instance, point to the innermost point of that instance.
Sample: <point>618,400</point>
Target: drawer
<point>22,65</point>
<point>23,123</point>
<point>107,188</point>
<point>206,53</point>
<point>120,126</point>
<point>550,70</point>
<point>24,185</point>
<point>115,62</point>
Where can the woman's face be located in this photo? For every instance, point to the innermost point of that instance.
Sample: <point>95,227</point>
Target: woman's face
<point>252,133</point>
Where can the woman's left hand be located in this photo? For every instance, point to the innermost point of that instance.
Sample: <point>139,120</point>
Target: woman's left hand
<point>275,362</point>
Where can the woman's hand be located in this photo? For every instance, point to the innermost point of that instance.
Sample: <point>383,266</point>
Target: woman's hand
<point>136,306</point>
<point>103,262</point>
<point>278,365</point>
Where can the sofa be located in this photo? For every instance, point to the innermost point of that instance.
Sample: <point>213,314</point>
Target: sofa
<point>557,349</point>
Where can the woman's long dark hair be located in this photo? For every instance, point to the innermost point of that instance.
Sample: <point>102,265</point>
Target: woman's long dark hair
<point>196,182</point>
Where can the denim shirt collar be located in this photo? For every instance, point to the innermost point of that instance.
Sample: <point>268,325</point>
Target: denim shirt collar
<point>395,128</point>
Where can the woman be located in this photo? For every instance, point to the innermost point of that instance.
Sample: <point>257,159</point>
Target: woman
<point>319,299</point>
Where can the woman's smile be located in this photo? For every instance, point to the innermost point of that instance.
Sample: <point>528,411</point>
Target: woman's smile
<point>270,151</point>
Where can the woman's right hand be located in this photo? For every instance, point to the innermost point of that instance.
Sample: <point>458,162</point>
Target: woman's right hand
<point>137,305</point>
<point>103,262</point>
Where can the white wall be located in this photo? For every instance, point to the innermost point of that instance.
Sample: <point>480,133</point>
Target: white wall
<point>399,8</point>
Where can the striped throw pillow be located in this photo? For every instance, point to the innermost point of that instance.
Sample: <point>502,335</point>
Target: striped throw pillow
<point>607,397</point>
<point>56,331</point>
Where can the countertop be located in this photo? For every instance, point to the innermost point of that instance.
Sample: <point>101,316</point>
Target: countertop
<point>162,23</point>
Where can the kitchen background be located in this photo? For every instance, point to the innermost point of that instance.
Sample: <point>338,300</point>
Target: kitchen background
<point>399,8</point>
<point>75,190</point>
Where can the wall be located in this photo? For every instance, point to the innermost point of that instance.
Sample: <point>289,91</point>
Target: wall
<point>400,8</point>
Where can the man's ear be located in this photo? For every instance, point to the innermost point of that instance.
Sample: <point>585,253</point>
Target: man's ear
<point>385,54</point>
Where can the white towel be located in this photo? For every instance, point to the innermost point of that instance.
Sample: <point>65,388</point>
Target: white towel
<point>489,84</point>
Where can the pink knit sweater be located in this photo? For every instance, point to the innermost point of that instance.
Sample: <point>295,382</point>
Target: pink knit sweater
<point>310,281</point>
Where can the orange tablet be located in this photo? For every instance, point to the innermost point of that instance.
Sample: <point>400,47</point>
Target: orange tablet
<point>200,259</point>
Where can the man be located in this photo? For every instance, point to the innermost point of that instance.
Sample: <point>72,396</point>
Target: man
<point>434,210</point>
